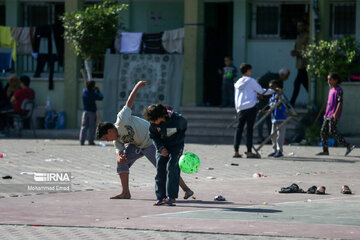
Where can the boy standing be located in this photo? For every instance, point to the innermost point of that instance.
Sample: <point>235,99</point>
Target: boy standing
<point>90,95</point>
<point>228,75</point>
<point>246,91</point>
<point>167,130</point>
<point>278,117</point>
<point>332,115</point>
<point>130,135</point>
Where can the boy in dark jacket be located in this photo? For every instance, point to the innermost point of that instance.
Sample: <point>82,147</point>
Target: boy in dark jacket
<point>90,95</point>
<point>167,130</point>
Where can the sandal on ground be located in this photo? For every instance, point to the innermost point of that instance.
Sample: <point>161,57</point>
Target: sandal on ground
<point>272,154</point>
<point>293,188</point>
<point>188,193</point>
<point>237,155</point>
<point>312,190</point>
<point>252,155</point>
<point>170,202</point>
<point>345,190</point>
<point>349,149</point>
<point>323,154</point>
<point>159,202</point>
<point>320,190</point>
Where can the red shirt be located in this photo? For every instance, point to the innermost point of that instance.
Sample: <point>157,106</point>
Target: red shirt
<point>20,95</point>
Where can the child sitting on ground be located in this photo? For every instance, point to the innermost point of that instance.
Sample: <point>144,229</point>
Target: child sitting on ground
<point>278,117</point>
<point>167,130</point>
<point>332,115</point>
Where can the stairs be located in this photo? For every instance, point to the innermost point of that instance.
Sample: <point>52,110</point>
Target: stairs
<point>213,125</point>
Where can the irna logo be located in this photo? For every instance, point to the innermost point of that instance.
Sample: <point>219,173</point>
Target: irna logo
<point>52,177</point>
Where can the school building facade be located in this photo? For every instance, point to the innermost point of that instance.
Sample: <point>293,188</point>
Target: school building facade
<point>244,29</point>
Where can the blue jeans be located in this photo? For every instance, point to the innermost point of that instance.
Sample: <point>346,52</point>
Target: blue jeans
<point>168,173</point>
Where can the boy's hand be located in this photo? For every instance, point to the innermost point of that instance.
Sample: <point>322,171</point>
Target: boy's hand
<point>97,89</point>
<point>279,90</point>
<point>334,117</point>
<point>121,158</point>
<point>164,152</point>
<point>141,84</point>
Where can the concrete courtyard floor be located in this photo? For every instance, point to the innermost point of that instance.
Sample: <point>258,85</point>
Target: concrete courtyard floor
<point>253,208</point>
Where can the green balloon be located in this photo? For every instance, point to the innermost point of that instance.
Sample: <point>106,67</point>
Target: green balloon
<point>189,162</point>
<point>229,75</point>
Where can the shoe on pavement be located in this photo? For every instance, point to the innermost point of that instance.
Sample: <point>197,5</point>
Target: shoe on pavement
<point>170,202</point>
<point>272,154</point>
<point>323,154</point>
<point>278,154</point>
<point>349,149</point>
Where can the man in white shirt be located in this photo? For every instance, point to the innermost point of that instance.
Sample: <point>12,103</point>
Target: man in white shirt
<point>246,91</point>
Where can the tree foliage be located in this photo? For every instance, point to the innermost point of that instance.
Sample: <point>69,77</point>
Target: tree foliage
<point>90,31</point>
<point>341,56</point>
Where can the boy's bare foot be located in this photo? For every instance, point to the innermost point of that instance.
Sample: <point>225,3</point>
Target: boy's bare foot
<point>122,196</point>
<point>188,194</point>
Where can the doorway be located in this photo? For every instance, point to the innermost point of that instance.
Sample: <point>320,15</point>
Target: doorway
<point>218,44</point>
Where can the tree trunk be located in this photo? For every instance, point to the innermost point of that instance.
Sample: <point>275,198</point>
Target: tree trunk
<point>88,69</point>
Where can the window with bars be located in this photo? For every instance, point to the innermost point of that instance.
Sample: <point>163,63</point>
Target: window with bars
<point>343,17</point>
<point>277,20</point>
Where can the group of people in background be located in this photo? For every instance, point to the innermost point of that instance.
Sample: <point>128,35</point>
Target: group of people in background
<point>253,98</point>
<point>12,97</point>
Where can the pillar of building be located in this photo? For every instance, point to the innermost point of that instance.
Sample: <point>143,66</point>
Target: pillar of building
<point>72,64</point>
<point>12,13</point>
<point>193,53</point>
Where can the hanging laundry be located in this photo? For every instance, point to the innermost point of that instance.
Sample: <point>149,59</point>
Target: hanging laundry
<point>173,40</point>
<point>58,31</point>
<point>43,58</point>
<point>152,43</point>
<point>130,42</point>
<point>5,61</point>
<point>117,42</point>
<point>23,36</point>
<point>6,40</point>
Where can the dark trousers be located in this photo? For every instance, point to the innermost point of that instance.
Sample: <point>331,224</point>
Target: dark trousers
<point>301,78</point>
<point>268,123</point>
<point>329,126</point>
<point>168,174</point>
<point>227,93</point>
<point>41,61</point>
<point>88,122</point>
<point>247,117</point>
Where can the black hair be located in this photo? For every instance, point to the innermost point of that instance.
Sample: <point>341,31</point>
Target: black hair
<point>90,84</point>
<point>25,80</point>
<point>335,76</point>
<point>275,82</point>
<point>244,67</point>
<point>102,129</point>
<point>229,57</point>
<point>155,111</point>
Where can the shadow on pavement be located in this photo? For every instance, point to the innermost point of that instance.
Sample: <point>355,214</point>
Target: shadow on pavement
<point>307,159</point>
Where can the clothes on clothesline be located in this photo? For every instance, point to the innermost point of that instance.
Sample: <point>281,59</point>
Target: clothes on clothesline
<point>173,40</point>
<point>6,40</point>
<point>130,42</point>
<point>5,61</point>
<point>47,32</point>
<point>152,43</point>
<point>24,37</point>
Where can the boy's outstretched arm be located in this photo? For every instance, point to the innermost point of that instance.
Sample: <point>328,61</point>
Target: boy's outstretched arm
<point>132,96</point>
